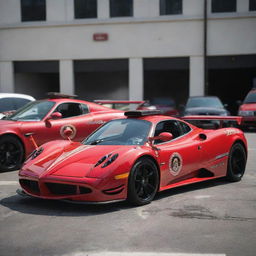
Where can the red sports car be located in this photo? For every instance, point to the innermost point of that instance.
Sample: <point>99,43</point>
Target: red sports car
<point>46,120</point>
<point>133,158</point>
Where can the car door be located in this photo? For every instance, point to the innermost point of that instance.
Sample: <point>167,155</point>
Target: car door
<point>74,115</point>
<point>181,156</point>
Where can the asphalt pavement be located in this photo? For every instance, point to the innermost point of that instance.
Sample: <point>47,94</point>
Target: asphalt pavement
<point>210,218</point>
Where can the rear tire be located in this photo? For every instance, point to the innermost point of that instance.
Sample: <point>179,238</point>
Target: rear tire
<point>143,182</point>
<point>11,153</point>
<point>236,163</point>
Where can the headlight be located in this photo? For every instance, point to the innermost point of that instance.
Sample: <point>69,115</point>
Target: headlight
<point>245,113</point>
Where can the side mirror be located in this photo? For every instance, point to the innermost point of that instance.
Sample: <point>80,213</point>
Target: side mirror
<point>163,136</point>
<point>55,116</point>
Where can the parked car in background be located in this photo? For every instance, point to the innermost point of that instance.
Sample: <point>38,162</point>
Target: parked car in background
<point>10,102</point>
<point>45,120</point>
<point>166,106</point>
<point>205,105</point>
<point>248,110</point>
<point>123,105</point>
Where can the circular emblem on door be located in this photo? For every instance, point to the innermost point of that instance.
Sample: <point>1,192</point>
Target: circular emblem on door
<point>68,127</point>
<point>175,163</point>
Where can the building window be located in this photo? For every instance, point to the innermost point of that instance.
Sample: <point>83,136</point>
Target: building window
<point>223,6</point>
<point>168,7</point>
<point>252,5</point>
<point>85,9</point>
<point>121,8</point>
<point>33,10</point>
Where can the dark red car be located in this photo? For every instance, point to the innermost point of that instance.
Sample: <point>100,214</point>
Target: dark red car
<point>248,110</point>
<point>46,120</point>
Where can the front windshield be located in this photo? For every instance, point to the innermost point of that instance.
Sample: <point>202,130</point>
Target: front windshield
<point>34,111</point>
<point>121,132</point>
<point>209,102</point>
<point>251,98</point>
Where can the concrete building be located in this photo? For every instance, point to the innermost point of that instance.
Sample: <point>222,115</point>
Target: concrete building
<point>128,49</point>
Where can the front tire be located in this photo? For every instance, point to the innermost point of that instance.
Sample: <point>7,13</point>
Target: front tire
<point>143,182</point>
<point>11,153</point>
<point>236,163</point>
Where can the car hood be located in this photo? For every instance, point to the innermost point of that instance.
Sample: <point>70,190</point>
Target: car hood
<point>73,161</point>
<point>205,111</point>
<point>249,107</point>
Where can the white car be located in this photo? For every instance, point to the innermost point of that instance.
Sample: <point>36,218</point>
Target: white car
<point>10,102</point>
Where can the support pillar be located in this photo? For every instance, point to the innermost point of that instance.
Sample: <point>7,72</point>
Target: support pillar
<point>6,77</point>
<point>196,76</point>
<point>136,79</point>
<point>67,85</point>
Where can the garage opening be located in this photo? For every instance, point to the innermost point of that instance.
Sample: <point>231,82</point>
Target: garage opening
<point>101,79</point>
<point>231,77</point>
<point>166,78</point>
<point>36,78</point>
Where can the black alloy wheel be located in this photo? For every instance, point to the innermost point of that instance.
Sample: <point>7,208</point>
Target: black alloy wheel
<point>143,182</point>
<point>236,162</point>
<point>11,153</point>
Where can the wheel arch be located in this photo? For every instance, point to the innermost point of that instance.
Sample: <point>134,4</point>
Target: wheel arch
<point>155,162</point>
<point>243,144</point>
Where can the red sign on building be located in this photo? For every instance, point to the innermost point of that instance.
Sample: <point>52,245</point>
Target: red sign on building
<point>100,36</point>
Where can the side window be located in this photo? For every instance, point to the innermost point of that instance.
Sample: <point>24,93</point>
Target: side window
<point>171,126</point>
<point>85,109</point>
<point>185,128</point>
<point>69,109</point>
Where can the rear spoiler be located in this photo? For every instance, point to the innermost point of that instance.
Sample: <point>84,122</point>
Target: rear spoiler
<point>221,119</point>
<point>119,101</point>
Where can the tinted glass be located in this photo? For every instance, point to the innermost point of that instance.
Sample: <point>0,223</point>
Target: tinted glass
<point>69,109</point>
<point>210,102</point>
<point>33,10</point>
<point>121,132</point>
<point>6,104</point>
<point>84,108</point>
<point>223,5</point>
<point>34,111</point>
<point>171,126</point>
<point>19,102</point>
<point>170,7</point>
<point>85,9</point>
<point>121,8</point>
<point>252,5</point>
<point>250,98</point>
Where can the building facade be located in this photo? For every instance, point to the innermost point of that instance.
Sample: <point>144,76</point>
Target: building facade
<point>128,49</point>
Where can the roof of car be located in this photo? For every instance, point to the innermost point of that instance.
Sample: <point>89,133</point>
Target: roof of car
<point>16,95</point>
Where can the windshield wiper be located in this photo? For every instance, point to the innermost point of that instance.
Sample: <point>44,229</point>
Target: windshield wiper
<point>95,142</point>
